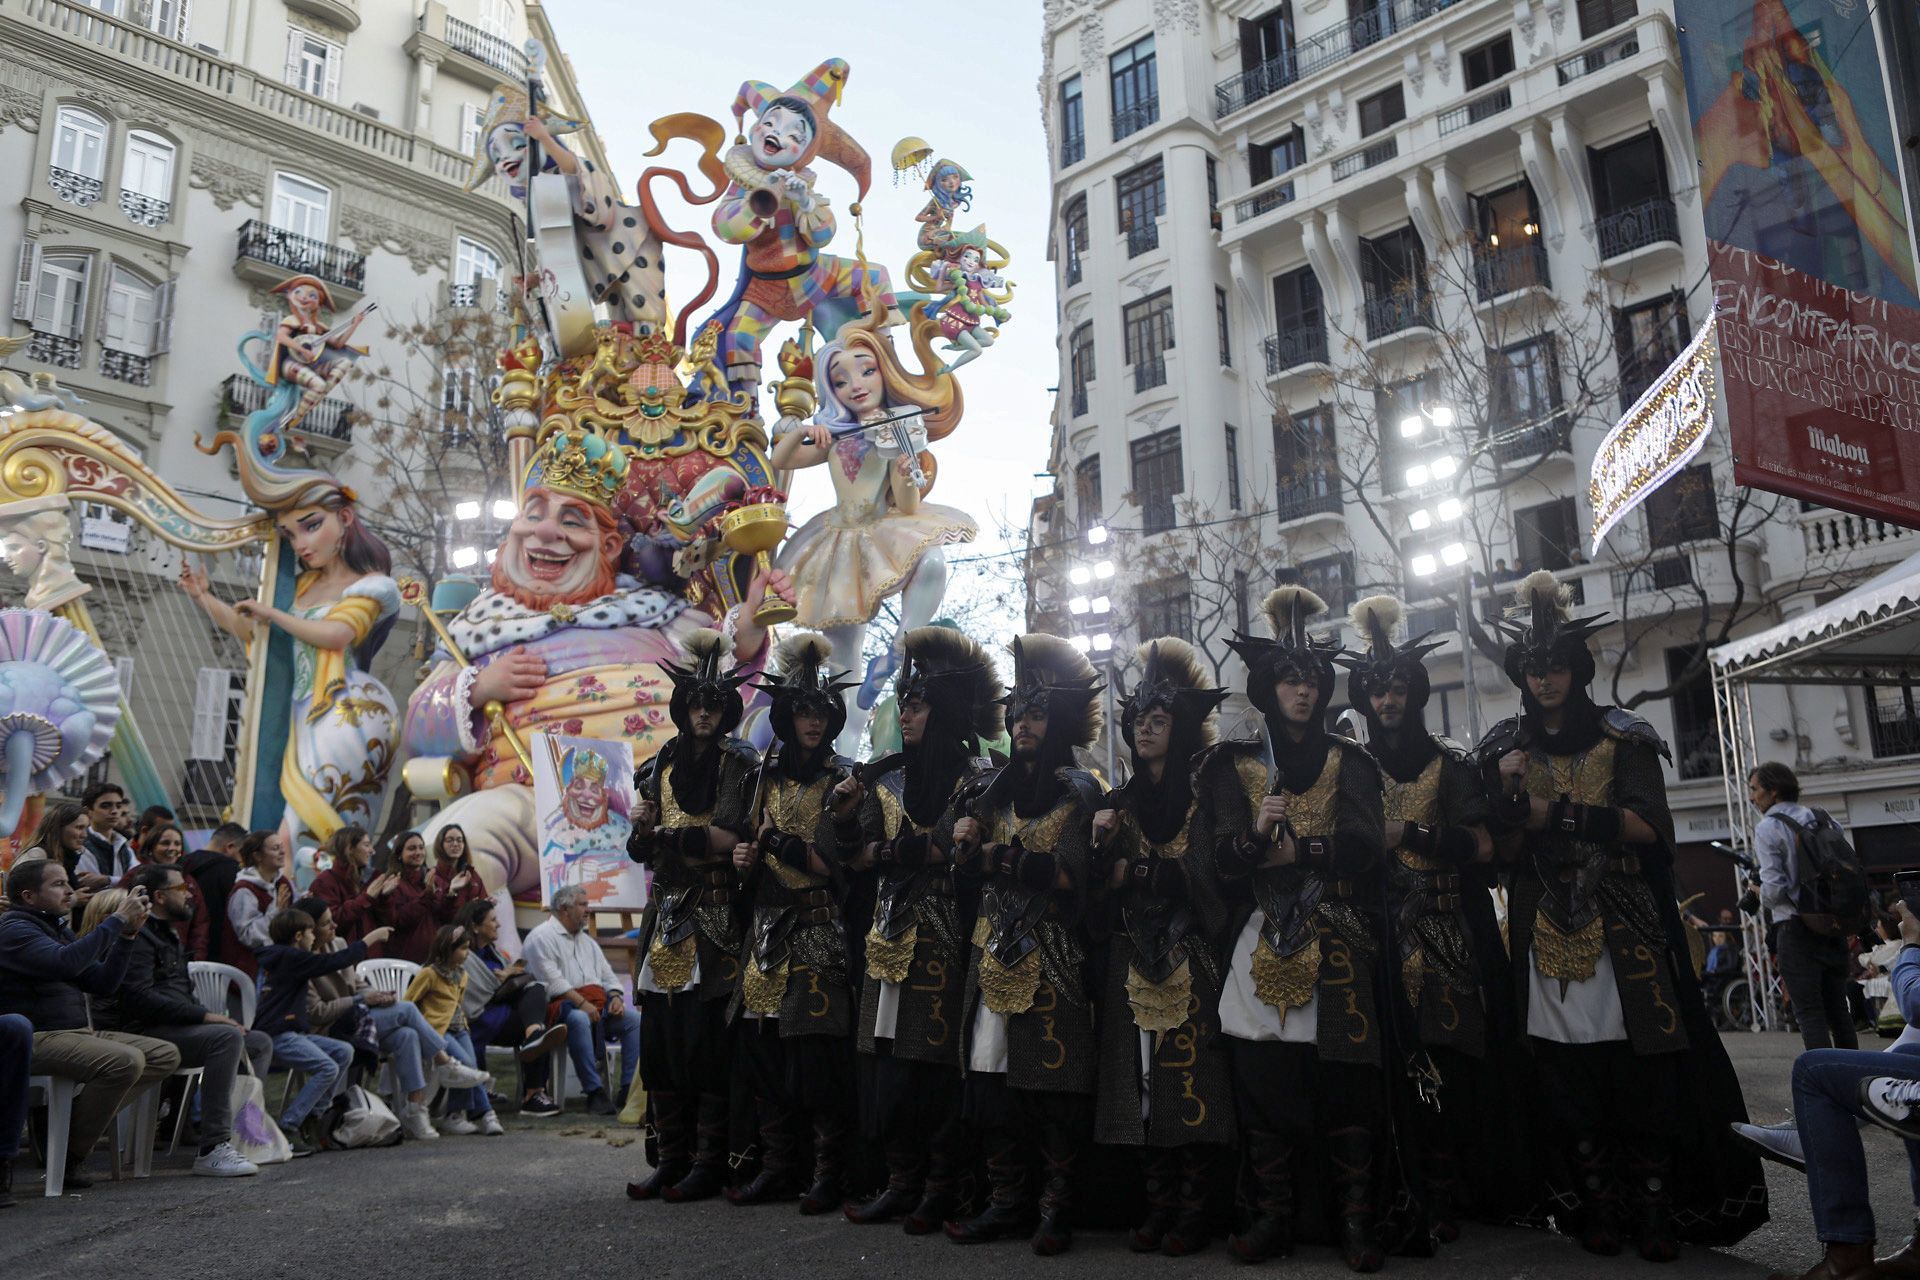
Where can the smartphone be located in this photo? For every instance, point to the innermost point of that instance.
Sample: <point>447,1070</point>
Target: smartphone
<point>1907,885</point>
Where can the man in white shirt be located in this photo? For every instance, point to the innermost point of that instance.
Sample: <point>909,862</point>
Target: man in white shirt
<point>563,954</point>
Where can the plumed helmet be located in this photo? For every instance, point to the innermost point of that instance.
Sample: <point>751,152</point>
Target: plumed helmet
<point>1291,654</point>
<point>1174,679</point>
<point>1053,676</point>
<point>1542,632</point>
<point>956,678</point>
<point>800,681</point>
<point>701,682</point>
<point>1379,664</point>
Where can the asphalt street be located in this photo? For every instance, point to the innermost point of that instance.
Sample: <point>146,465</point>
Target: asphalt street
<point>548,1200</point>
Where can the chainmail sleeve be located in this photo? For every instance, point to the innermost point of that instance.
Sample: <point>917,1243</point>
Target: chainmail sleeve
<point>1463,798</point>
<point>1204,893</point>
<point>734,795</point>
<point>1360,821</point>
<point>1639,785</point>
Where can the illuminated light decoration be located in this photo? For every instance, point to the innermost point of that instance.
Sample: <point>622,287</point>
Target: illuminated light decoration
<point>1102,604</point>
<point>1079,575</point>
<point>1444,467</point>
<point>465,557</point>
<point>1412,425</point>
<point>1454,553</point>
<point>468,510</point>
<point>1420,520</point>
<point>1102,642</point>
<point>1079,604</point>
<point>1660,434</point>
<point>1417,475</point>
<point>505,509</point>
<point>1424,566</point>
<point>1103,570</point>
<point>1450,508</point>
<point>1096,535</point>
<point>1081,643</point>
<point>493,553</point>
<point>1442,416</point>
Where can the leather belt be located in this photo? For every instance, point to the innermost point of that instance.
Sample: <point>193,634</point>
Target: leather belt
<point>818,915</point>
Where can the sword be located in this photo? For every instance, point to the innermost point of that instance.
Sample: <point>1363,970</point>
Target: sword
<point>760,797</point>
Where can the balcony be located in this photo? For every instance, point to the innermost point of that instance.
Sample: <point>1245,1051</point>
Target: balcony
<point>344,14</point>
<point>1149,373</point>
<point>1497,272</point>
<point>1502,599</point>
<point>144,211</point>
<point>1892,735</point>
<point>1484,107</point>
<point>1324,49</point>
<point>1696,752</point>
<point>1130,120</point>
<point>1365,158</point>
<point>56,349</point>
<point>269,255</point>
<point>1079,402</point>
<point>486,48</point>
<point>329,420</point>
<point>75,188</point>
<point>1315,494</point>
<point>1651,221</point>
<point>1143,239</point>
<point>1858,539</point>
<point>1433,619</point>
<point>1073,149</point>
<point>1398,312</point>
<point>1291,348</point>
<point>1251,207</point>
<point>1529,443</point>
<point>124,366</point>
<point>1669,573</point>
<point>1249,87</point>
<point>1615,50</point>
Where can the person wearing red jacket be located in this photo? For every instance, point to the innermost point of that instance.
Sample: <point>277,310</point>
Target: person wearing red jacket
<point>344,886</point>
<point>408,904</point>
<point>164,845</point>
<point>455,882</point>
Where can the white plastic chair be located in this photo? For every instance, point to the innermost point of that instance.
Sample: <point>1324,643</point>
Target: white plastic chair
<point>213,983</point>
<point>389,975</point>
<point>59,1093</point>
<point>133,1146</point>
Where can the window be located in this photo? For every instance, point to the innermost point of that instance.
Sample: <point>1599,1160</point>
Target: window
<point>1597,15</point>
<point>1075,226</point>
<point>1268,160</point>
<point>1545,536</point>
<point>313,64</point>
<point>1233,466</point>
<point>1393,263</point>
<point>1683,509</point>
<point>1507,218</point>
<point>1404,400</point>
<point>169,18</point>
<point>1646,339</point>
<point>218,704</point>
<point>1487,63</point>
<point>1241,604</point>
<point>1382,111</point>
<point>1089,506</point>
<point>80,142</point>
<point>1299,318</point>
<point>496,18</point>
<point>1330,578</point>
<point>1627,173</point>
<point>1073,122</point>
<point>301,206</point>
<point>148,170</point>
<point>1148,328</point>
<point>1080,365</point>
<point>1305,464</point>
<point>1893,723</point>
<point>60,295</point>
<point>473,262</point>
<point>1213,194</point>
<point>471,114</point>
<point>1136,88</point>
<point>133,314</point>
<point>1523,385</point>
<point>1267,38</point>
<point>1157,478</point>
<point>1696,728</point>
<point>1142,195</point>
<point>1220,320</point>
<point>1371,21</point>
<point>1164,608</point>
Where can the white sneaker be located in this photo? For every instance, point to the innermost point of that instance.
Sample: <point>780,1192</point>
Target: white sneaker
<point>458,1075</point>
<point>1777,1142</point>
<point>415,1123</point>
<point>1892,1102</point>
<point>490,1125</point>
<point>457,1124</point>
<point>224,1162</point>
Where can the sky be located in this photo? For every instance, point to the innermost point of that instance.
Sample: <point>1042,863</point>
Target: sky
<point>969,92</point>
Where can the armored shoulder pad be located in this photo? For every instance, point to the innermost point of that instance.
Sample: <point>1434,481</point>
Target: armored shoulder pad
<point>1500,739</point>
<point>1627,727</point>
<point>1353,751</point>
<point>1224,755</point>
<point>741,750</point>
<point>1086,788</point>
<point>1458,750</point>
<point>649,770</point>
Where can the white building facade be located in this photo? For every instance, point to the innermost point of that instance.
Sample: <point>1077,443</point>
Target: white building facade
<point>1349,294</point>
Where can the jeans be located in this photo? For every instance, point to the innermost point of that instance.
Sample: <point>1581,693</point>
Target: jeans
<point>506,1024</point>
<point>408,1041</point>
<point>1826,1107</point>
<point>216,1049</point>
<point>322,1059</point>
<point>16,1053</point>
<point>474,1100</point>
<point>625,1028</point>
<point>1813,968</point>
<point>114,1067</point>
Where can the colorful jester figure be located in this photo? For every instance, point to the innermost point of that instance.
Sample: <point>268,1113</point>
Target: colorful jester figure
<point>770,207</point>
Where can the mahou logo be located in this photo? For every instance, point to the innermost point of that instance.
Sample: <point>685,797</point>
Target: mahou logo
<point>1834,447</point>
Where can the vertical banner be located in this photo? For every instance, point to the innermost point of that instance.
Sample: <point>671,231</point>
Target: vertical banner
<point>583,802</point>
<point>1810,249</point>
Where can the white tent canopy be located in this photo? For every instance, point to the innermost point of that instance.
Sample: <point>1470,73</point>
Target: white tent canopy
<point>1877,624</point>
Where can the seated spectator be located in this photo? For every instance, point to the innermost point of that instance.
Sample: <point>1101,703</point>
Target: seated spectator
<point>287,963</point>
<point>62,836</point>
<point>156,999</point>
<point>260,893</point>
<point>16,1051</point>
<point>408,904</point>
<point>213,869</point>
<point>109,850</point>
<point>46,974</point>
<point>165,846</point>
<point>439,990</point>
<point>455,882</point>
<point>1833,1089</point>
<point>344,886</point>
<point>563,955</point>
<point>504,1005</point>
<point>418,1053</point>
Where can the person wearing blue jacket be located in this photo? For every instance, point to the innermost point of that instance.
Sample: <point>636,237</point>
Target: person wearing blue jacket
<point>47,975</point>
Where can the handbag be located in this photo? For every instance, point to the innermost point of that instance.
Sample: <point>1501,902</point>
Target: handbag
<point>365,1120</point>
<point>255,1135</point>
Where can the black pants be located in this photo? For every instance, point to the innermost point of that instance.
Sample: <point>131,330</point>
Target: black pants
<point>1813,968</point>
<point>527,1008</point>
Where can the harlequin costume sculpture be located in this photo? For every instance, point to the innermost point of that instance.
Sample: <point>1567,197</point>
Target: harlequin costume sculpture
<point>1635,1087</point>
<point>691,810</point>
<point>794,1003</point>
<point>1165,1081</point>
<point>1300,852</point>
<point>1028,1047</point>
<point>948,694</point>
<point>1453,994</point>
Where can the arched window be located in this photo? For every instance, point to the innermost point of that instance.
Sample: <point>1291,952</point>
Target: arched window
<point>302,206</point>
<point>79,158</point>
<point>146,178</point>
<point>474,261</point>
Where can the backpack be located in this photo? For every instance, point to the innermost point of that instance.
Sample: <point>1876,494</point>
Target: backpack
<point>1833,893</point>
<point>365,1121</point>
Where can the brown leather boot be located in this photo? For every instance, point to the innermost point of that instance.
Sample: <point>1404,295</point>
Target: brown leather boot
<point>1841,1262</point>
<point>673,1119</point>
<point>1270,1233</point>
<point>1905,1263</point>
<point>1163,1199</point>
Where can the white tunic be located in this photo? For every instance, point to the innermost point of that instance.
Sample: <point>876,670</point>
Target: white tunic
<point>1588,1014</point>
<point>988,1054</point>
<point>1245,1016</point>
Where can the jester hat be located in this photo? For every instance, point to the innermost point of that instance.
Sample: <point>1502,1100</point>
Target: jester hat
<point>1291,654</point>
<point>1542,633</point>
<point>956,678</point>
<point>819,92</point>
<point>1371,670</point>
<point>509,104</point>
<point>1052,676</point>
<point>1175,680</point>
<point>802,682</point>
<point>701,683</point>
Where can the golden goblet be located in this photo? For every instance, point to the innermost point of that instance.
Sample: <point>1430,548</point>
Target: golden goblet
<point>755,530</point>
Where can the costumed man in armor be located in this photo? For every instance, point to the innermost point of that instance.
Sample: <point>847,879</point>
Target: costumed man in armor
<point>1636,1088</point>
<point>1166,1083</point>
<point>1028,1047</point>
<point>1446,940</point>
<point>690,810</point>
<point>948,695</point>
<point>794,1036</point>
<point>1300,853</point>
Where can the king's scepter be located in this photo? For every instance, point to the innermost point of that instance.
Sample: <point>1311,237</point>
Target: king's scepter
<point>414,592</point>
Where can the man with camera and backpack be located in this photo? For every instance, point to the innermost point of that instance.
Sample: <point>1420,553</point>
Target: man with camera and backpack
<point>1814,893</point>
